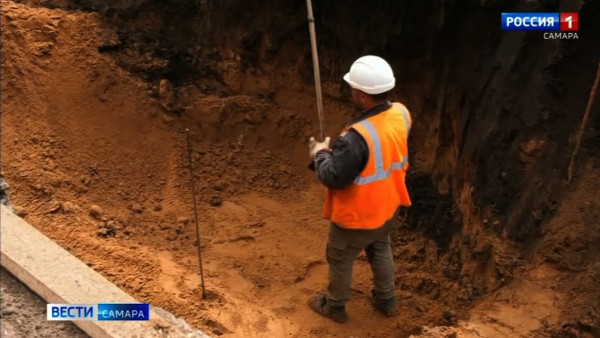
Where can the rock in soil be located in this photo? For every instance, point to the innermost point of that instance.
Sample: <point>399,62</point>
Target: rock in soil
<point>96,211</point>
<point>19,211</point>
<point>110,40</point>
<point>114,225</point>
<point>216,200</point>
<point>54,208</point>
<point>102,232</point>
<point>136,208</point>
<point>85,180</point>
<point>68,207</point>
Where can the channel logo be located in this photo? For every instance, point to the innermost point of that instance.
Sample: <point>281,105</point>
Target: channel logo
<point>569,22</point>
<point>71,312</point>
<point>564,22</point>
<point>99,312</point>
<point>108,311</point>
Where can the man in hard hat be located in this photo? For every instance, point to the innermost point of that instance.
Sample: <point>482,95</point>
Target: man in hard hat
<point>364,173</point>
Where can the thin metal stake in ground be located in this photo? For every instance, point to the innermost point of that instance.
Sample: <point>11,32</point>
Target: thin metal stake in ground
<point>189,146</point>
<point>579,135</point>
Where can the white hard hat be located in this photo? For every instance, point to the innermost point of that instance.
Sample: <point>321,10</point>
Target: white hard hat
<point>371,74</point>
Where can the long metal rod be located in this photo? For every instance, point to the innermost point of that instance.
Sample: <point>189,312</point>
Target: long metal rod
<point>584,121</point>
<point>189,146</point>
<point>315,57</point>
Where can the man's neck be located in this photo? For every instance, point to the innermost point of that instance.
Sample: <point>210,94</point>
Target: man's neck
<point>370,108</point>
<point>376,109</point>
<point>373,104</point>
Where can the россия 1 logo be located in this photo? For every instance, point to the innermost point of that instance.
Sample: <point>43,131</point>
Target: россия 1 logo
<point>554,25</point>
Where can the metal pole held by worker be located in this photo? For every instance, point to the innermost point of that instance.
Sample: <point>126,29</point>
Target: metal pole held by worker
<point>189,147</point>
<point>315,57</point>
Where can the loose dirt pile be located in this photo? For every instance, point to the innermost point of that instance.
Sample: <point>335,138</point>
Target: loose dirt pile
<point>95,104</point>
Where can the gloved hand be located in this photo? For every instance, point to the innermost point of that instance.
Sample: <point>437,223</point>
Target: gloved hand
<point>314,146</point>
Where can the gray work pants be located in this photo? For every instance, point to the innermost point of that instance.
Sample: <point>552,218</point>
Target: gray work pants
<point>342,248</point>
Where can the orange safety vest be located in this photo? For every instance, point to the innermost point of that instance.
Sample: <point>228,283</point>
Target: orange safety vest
<point>374,196</point>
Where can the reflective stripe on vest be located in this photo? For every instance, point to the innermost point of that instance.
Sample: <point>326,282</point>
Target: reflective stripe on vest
<point>406,119</point>
<point>380,172</point>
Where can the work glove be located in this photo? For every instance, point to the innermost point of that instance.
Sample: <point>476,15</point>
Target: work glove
<point>314,146</point>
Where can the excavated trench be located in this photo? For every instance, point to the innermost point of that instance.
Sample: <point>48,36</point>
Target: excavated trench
<point>494,112</point>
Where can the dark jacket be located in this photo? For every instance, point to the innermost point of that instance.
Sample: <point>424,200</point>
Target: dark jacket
<point>338,167</point>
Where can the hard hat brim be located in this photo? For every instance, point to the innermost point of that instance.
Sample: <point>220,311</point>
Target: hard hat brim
<point>347,79</point>
<point>370,91</point>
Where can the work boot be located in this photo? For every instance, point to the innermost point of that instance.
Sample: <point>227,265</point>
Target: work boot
<point>336,313</point>
<point>387,307</point>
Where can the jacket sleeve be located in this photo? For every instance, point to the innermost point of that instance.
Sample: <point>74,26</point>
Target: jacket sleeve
<point>338,167</point>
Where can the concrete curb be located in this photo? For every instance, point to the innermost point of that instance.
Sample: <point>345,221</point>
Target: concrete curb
<point>59,277</point>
